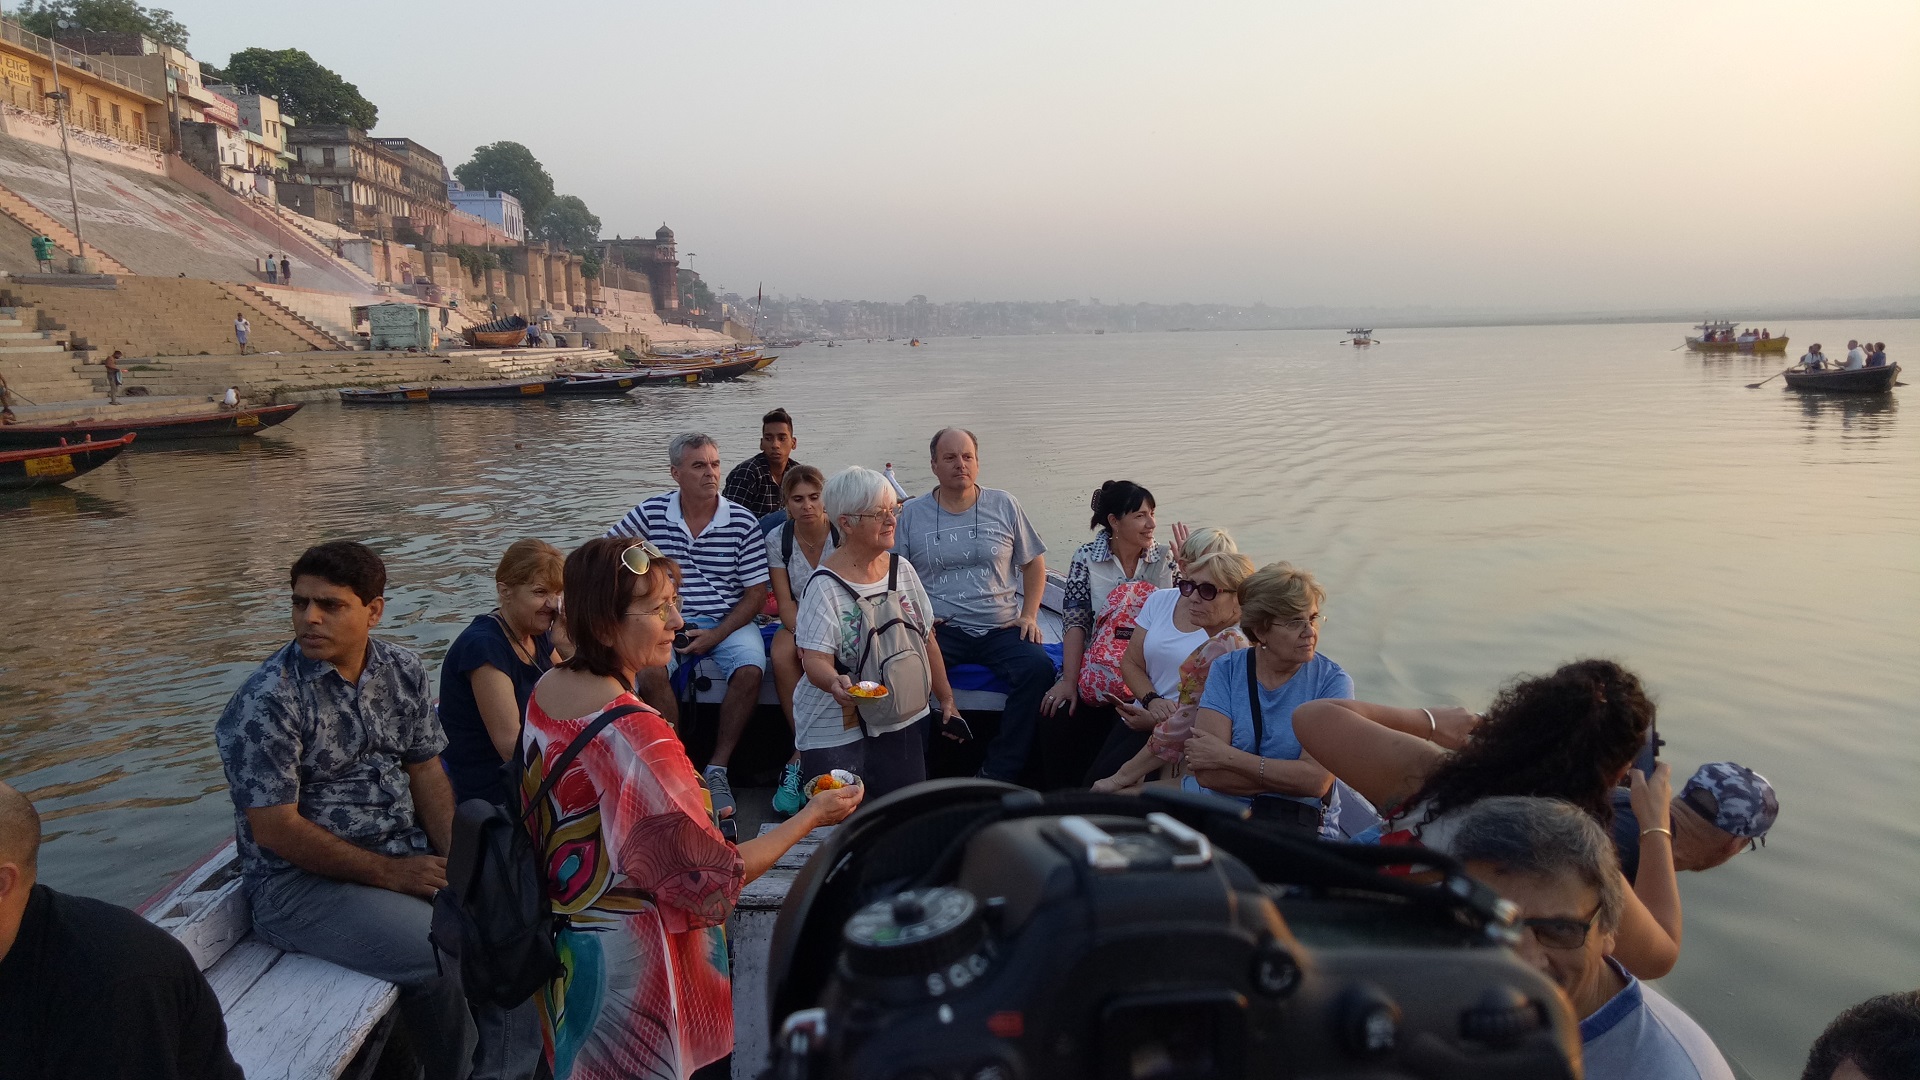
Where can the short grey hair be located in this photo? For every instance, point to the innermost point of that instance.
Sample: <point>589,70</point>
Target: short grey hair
<point>685,441</point>
<point>1547,837</point>
<point>853,490</point>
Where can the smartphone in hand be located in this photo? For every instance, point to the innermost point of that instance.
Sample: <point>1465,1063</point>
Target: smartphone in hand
<point>955,727</point>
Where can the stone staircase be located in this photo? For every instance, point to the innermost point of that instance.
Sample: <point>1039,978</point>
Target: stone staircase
<point>36,363</point>
<point>154,316</point>
<point>332,313</point>
<point>40,222</point>
<point>320,334</point>
<point>323,235</point>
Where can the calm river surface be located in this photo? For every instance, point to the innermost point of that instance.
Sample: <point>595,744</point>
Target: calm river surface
<point>1479,502</point>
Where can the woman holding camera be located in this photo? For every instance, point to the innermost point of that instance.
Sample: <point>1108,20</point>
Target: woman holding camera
<point>491,667</point>
<point>1571,735</point>
<point>1243,744</point>
<point>627,840</point>
<point>832,633</point>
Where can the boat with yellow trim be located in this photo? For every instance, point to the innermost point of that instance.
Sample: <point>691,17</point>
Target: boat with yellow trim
<point>1724,336</point>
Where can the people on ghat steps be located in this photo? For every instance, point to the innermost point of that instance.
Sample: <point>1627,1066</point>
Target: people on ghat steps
<point>490,669</point>
<point>860,588</point>
<point>984,567</point>
<point>88,989</point>
<point>1243,744</point>
<point>1722,810</point>
<point>1571,735</point>
<point>1108,580</point>
<point>1180,633</point>
<point>755,482</point>
<point>1878,1039</point>
<point>632,852</point>
<point>795,549</point>
<point>343,813</point>
<point>241,328</point>
<point>1556,864</point>
<point>717,545</point>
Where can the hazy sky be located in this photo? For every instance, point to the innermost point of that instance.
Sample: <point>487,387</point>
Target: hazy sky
<point>1464,153</point>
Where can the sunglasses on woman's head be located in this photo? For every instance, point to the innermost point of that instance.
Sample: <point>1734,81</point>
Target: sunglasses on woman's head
<point>1207,589</point>
<point>639,558</point>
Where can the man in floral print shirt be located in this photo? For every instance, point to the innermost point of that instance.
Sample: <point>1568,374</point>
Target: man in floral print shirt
<point>343,813</point>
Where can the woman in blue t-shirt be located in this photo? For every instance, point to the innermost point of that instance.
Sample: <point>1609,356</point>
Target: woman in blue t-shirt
<point>1243,745</point>
<point>490,670</point>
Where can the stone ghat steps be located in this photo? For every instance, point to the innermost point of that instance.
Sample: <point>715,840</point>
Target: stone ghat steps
<point>99,408</point>
<point>39,221</point>
<point>35,363</point>
<point>150,316</point>
<point>261,377</point>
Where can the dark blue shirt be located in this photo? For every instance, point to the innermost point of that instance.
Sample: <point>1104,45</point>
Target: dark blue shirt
<point>472,762</point>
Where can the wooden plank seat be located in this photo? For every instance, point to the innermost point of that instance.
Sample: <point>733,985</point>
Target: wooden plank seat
<point>289,1016</point>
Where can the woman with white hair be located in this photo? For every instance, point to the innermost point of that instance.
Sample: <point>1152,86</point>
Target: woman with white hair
<point>852,598</point>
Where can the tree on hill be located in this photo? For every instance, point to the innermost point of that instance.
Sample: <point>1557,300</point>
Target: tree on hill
<point>43,18</point>
<point>570,224</point>
<point>308,92</point>
<point>512,168</point>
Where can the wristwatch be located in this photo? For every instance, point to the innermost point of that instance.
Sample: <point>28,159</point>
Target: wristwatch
<point>1149,698</point>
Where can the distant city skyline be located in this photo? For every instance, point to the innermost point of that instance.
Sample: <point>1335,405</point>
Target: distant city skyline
<point>1509,155</point>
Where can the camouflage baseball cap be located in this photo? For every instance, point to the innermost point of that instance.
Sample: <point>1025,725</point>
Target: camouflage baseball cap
<point>1734,798</point>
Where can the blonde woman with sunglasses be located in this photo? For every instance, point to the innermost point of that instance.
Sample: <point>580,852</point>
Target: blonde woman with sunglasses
<point>628,842</point>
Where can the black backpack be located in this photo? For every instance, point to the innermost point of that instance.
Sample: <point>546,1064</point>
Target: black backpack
<point>494,918</point>
<point>786,543</point>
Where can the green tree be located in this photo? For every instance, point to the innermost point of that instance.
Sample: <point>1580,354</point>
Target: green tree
<point>512,168</point>
<point>43,18</point>
<point>308,92</point>
<point>569,223</point>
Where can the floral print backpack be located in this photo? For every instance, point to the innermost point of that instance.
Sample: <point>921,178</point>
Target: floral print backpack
<point>1100,668</point>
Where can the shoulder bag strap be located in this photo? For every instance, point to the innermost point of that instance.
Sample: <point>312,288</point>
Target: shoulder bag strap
<point>893,572</point>
<point>786,541</point>
<point>572,751</point>
<point>1253,699</point>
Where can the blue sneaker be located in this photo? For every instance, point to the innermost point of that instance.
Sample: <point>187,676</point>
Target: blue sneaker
<point>788,800</point>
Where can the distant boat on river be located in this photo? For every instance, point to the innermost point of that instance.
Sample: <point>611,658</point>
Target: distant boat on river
<point>1359,336</point>
<point>1873,380</point>
<point>1723,336</point>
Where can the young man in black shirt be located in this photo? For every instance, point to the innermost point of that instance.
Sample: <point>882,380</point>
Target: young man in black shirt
<point>90,989</point>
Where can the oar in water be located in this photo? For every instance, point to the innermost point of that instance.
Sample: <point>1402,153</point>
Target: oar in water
<point>1770,378</point>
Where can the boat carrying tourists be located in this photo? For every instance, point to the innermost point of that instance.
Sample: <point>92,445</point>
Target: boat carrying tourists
<point>1724,336</point>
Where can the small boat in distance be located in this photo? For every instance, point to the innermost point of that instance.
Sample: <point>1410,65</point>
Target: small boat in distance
<point>498,334</point>
<point>47,466</point>
<point>1724,336</point>
<point>1873,380</point>
<point>212,425</point>
<point>1359,336</point>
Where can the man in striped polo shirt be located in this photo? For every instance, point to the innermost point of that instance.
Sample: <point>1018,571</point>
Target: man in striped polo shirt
<point>723,567</point>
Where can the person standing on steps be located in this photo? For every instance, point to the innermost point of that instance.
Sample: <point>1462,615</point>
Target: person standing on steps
<point>270,267</point>
<point>241,328</point>
<point>43,252</point>
<point>286,270</point>
<point>112,364</point>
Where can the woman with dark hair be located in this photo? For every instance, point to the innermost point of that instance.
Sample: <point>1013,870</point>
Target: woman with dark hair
<point>1110,577</point>
<point>490,670</point>
<point>631,852</point>
<point>1571,735</point>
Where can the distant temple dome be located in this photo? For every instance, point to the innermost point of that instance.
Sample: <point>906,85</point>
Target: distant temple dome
<point>664,233</point>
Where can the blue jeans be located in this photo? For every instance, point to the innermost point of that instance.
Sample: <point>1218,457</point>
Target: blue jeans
<point>383,934</point>
<point>1028,672</point>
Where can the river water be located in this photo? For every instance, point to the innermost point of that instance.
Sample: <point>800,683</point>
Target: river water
<point>1478,502</point>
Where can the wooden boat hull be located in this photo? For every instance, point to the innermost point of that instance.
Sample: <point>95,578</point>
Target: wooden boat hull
<point>519,390</point>
<point>765,362</point>
<point>47,466</point>
<point>596,384</point>
<point>495,339</point>
<point>724,372</point>
<point>1765,345</point>
<point>398,395</point>
<point>150,429</point>
<point>1873,380</point>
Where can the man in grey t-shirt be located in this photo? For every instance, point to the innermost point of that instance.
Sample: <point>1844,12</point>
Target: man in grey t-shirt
<point>972,547</point>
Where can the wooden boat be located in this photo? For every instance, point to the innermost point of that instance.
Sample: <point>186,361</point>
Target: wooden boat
<point>150,428</point>
<point>727,371</point>
<point>593,384</point>
<point>516,390</point>
<point>498,334</point>
<point>1359,336</point>
<point>1723,336</point>
<point>765,362</point>
<point>50,465</point>
<point>1873,380</point>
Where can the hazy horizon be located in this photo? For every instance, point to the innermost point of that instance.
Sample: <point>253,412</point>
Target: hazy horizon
<point>1485,155</point>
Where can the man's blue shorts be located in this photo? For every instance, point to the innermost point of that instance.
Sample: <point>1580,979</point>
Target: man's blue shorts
<point>744,648</point>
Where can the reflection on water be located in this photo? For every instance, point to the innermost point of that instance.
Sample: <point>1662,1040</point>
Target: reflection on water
<point>1478,502</point>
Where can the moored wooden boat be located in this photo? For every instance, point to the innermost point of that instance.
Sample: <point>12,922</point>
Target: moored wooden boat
<point>150,428</point>
<point>47,466</point>
<point>504,391</point>
<point>731,370</point>
<point>1872,380</point>
<point>593,384</point>
<point>498,334</point>
<point>392,395</point>
<point>765,362</point>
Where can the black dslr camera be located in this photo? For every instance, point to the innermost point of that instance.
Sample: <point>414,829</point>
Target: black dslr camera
<point>971,930</point>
